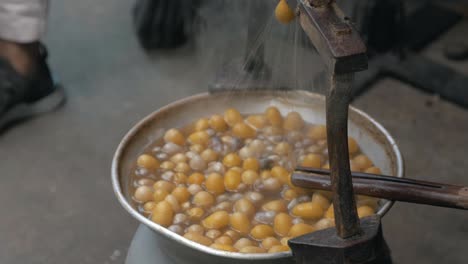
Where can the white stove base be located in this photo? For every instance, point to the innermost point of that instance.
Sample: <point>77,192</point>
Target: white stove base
<point>144,248</point>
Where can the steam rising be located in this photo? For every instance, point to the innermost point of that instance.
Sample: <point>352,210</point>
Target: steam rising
<point>222,39</point>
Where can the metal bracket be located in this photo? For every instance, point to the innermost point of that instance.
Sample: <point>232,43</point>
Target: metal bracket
<point>334,37</point>
<point>325,247</point>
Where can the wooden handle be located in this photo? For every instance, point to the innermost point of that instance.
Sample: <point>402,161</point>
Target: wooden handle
<point>391,188</point>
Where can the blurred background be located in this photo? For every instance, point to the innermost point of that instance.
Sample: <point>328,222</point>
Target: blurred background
<point>55,191</point>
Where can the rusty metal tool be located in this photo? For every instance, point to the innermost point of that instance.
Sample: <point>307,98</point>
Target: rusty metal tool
<point>343,53</point>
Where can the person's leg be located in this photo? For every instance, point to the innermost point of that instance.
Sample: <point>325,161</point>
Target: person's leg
<point>22,24</point>
<point>26,86</point>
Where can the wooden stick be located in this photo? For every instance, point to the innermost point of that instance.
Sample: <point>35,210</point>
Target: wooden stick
<point>391,188</point>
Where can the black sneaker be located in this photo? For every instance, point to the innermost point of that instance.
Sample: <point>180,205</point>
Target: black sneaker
<point>165,24</point>
<point>25,97</point>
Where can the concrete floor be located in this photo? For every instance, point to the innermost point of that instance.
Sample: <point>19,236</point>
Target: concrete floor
<point>55,191</point>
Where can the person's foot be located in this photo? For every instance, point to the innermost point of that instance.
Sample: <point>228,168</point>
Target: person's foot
<point>26,85</point>
<point>456,51</point>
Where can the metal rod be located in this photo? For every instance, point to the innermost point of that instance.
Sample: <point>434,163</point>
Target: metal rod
<point>363,175</point>
<point>391,188</point>
<point>344,204</point>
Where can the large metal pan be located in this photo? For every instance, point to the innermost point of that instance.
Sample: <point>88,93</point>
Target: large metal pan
<point>374,140</point>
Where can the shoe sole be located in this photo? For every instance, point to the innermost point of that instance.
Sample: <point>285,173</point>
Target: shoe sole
<point>25,111</point>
